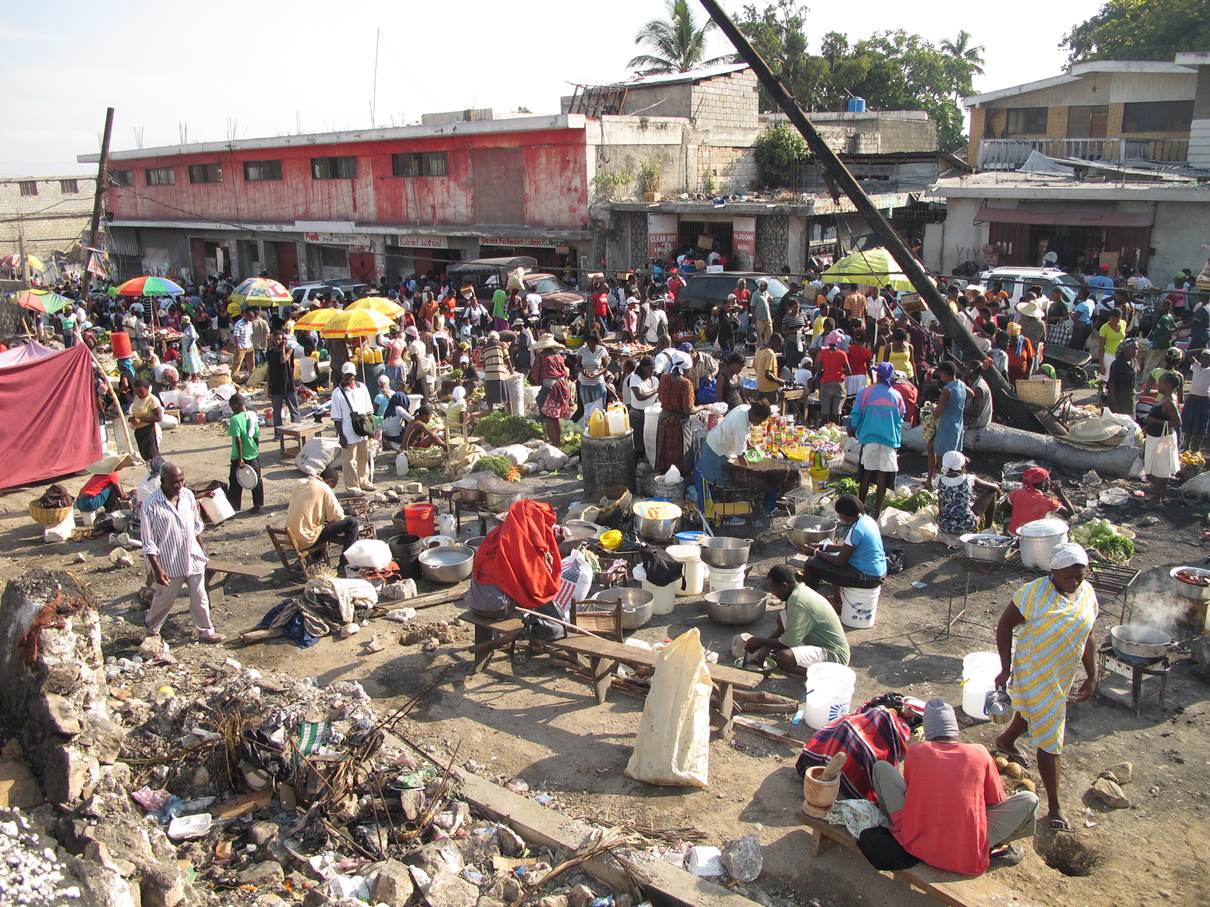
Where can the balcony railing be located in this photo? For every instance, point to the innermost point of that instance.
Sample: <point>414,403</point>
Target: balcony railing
<point>1010,154</point>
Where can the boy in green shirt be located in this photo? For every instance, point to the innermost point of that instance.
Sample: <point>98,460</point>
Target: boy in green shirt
<point>812,631</point>
<point>244,429</point>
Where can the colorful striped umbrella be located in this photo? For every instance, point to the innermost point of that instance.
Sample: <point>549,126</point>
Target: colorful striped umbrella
<point>14,261</point>
<point>316,319</point>
<point>149,286</point>
<point>43,301</point>
<point>379,304</point>
<point>356,323</point>
<point>260,291</point>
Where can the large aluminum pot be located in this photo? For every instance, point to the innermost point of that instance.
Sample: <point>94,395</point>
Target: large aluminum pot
<point>449,564</point>
<point>725,553</point>
<point>1185,589</point>
<point>808,529</point>
<point>1038,539</point>
<point>986,546</point>
<point>656,529</point>
<point>1139,641</point>
<point>637,605</point>
<point>735,606</point>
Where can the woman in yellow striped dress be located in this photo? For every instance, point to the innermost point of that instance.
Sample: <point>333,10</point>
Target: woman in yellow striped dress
<point>1056,614</point>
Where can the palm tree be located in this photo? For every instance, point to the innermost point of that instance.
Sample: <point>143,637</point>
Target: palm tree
<point>677,42</point>
<point>960,49</point>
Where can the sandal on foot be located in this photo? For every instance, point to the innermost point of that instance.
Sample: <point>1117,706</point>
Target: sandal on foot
<point>1007,855</point>
<point>1058,824</point>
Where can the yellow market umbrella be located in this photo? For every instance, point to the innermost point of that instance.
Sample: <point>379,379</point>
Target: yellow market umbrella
<point>379,304</point>
<point>872,267</point>
<point>356,323</point>
<point>316,319</point>
<point>261,291</point>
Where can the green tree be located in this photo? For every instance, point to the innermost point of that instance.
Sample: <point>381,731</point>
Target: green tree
<point>778,152</point>
<point>677,43</point>
<point>960,49</point>
<point>1140,30</point>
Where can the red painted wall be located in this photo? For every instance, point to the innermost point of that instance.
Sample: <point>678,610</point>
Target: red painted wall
<point>555,192</point>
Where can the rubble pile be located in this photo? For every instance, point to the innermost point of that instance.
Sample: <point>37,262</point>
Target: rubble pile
<point>430,636</point>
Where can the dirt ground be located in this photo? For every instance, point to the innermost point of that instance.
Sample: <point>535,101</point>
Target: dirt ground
<point>532,720</point>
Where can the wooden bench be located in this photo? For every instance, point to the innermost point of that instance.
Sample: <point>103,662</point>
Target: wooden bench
<point>603,656</point>
<point>218,572</point>
<point>297,434</point>
<point>946,887</point>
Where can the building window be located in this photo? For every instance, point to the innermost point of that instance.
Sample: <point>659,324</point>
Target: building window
<point>262,171</point>
<point>1158,116</point>
<point>1026,121</point>
<point>160,176</point>
<point>1087,121</point>
<point>69,187</point>
<point>427,163</point>
<point>121,178</point>
<point>333,168</point>
<point>29,187</point>
<point>205,173</point>
<point>333,256</point>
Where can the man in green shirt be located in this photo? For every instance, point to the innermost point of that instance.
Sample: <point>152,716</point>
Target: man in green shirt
<point>499,310</point>
<point>244,429</point>
<point>812,632</point>
<point>1159,340</point>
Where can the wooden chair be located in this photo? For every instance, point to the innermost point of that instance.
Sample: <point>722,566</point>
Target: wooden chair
<point>294,558</point>
<point>599,621</point>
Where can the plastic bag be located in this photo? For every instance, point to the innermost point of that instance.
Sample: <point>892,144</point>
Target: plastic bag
<point>401,463</point>
<point>909,527</point>
<point>575,579</point>
<point>372,554</point>
<point>316,454</point>
<point>518,453</point>
<point>61,532</point>
<point>672,476</point>
<point>673,743</point>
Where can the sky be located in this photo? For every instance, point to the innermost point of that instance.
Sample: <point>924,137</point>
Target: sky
<point>213,70</point>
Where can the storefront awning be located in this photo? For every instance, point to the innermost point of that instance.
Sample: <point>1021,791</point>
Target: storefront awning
<point>1075,217</point>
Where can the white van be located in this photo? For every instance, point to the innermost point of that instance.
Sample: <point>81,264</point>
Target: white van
<point>1017,280</point>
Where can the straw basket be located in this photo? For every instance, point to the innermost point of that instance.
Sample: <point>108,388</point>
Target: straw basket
<point>1040,391</point>
<point>48,516</point>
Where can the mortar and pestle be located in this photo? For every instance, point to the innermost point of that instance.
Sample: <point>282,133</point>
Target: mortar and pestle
<point>820,785</point>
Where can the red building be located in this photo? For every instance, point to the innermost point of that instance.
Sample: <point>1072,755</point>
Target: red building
<point>357,204</point>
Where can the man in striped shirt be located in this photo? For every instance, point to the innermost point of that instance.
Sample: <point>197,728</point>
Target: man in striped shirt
<point>171,525</point>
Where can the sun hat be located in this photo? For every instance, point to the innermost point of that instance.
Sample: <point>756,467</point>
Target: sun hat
<point>1029,309</point>
<point>111,462</point>
<point>953,459</point>
<point>546,342</point>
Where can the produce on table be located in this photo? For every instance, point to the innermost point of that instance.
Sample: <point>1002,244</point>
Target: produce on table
<point>570,439</point>
<point>914,502</point>
<point>1192,458</point>
<point>501,466</point>
<point>847,486</point>
<point>498,429</point>
<point>1106,539</point>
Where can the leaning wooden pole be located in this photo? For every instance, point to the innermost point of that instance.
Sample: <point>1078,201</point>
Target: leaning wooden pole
<point>94,225</point>
<point>1008,406</point>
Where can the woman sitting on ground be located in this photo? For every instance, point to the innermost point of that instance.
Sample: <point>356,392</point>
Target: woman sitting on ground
<point>418,435</point>
<point>965,501</point>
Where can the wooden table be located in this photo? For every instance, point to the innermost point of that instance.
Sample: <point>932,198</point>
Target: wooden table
<point>297,434</point>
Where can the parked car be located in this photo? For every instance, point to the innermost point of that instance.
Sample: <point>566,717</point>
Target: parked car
<point>343,291</point>
<point>1017,280</point>
<point>703,292</point>
<point>559,303</point>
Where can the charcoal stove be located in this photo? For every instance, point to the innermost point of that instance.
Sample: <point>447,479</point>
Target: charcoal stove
<point>1143,675</point>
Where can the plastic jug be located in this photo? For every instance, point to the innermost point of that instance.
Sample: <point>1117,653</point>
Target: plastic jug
<point>693,574</point>
<point>619,420</point>
<point>979,672</point>
<point>216,507</point>
<point>829,693</point>
<point>447,525</point>
<point>598,425</point>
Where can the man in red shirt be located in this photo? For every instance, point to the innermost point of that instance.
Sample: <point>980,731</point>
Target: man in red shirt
<point>833,364</point>
<point>948,809</point>
<point>1031,501</point>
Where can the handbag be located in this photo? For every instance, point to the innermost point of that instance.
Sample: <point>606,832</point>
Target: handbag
<point>363,423</point>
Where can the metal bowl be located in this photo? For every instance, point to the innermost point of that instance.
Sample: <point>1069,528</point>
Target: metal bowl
<point>437,541</point>
<point>991,553</point>
<point>637,605</point>
<point>724,552</point>
<point>1188,590</point>
<point>471,495</point>
<point>497,501</point>
<point>474,542</point>
<point>449,564</point>
<point>735,606</point>
<point>1139,641</point>
<point>656,530</point>
<point>809,529</point>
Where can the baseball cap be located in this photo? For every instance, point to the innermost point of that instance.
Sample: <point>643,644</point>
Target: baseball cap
<point>348,369</point>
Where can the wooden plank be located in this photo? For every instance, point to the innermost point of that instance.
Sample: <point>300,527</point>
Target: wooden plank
<point>540,826</point>
<point>257,571</point>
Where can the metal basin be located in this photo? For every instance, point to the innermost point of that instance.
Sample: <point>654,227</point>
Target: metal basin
<point>724,552</point>
<point>637,605</point>
<point>656,530</point>
<point>449,564</point>
<point>735,606</point>
<point>1190,591</point>
<point>578,531</point>
<point>474,542</point>
<point>986,546</point>
<point>1139,641</point>
<point>809,529</point>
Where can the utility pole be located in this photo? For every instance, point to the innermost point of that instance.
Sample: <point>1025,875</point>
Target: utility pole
<point>374,90</point>
<point>1008,404</point>
<point>21,252</point>
<point>98,196</point>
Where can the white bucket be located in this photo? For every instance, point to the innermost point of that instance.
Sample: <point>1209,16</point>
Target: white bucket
<point>216,507</point>
<point>829,693</point>
<point>664,597</point>
<point>693,577</point>
<point>726,579</point>
<point>859,607</point>
<point>979,672</point>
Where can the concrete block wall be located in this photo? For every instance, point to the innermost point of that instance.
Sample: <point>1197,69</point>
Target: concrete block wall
<point>52,220</point>
<point>732,167</point>
<point>728,102</point>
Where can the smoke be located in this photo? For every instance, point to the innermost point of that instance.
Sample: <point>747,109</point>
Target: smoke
<point>1154,602</point>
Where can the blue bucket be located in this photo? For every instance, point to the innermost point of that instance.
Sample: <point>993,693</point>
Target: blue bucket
<point>691,537</point>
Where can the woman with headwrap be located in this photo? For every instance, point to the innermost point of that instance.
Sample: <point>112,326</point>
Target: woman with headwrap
<point>1055,616</point>
<point>191,359</point>
<point>676,398</point>
<point>549,370</point>
<point>877,423</point>
<point>1121,381</point>
<point>1021,354</point>
<point>1033,500</point>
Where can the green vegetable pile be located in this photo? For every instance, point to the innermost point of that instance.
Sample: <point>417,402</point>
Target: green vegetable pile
<point>570,438</point>
<point>847,486</point>
<point>501,466</point>
<point>1104,538</point>
<point>914,502</point>
<point>498,428</point>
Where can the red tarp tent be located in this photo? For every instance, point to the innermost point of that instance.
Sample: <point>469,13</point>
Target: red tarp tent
<point>49,420</point>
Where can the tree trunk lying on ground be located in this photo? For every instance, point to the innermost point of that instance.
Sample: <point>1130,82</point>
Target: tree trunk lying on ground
<point>1115,463</point>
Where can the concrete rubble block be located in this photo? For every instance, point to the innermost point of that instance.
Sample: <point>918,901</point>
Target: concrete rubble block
<point>266,874</point>
<point>103,739</point>
<point>18,787</point>
<point>1123,772</point>
<point>68,774</point>
<point>511,843</point>
<point>742,859</point>
<point>580,896</point>
<point>438,856</point>
<point>1110,793</point>
<point>101,886</point>
<point>553,900</point>
<point>161,886</point>
<point>411,801</point>
<point>59,714</point>
<point>392,885</point>
<point>262,833</point>
<point>444,889</point>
